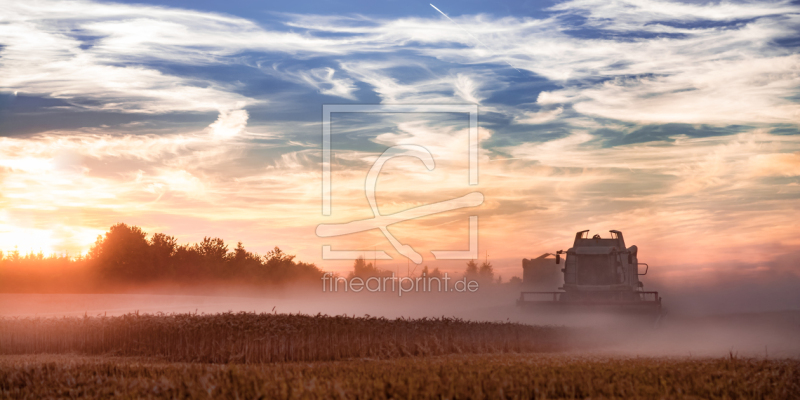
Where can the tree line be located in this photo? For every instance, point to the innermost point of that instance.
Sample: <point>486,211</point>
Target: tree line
<point>483,273</point>
<point>125,255</point>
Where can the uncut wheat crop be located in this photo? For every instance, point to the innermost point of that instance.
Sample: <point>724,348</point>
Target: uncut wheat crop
<point>258,338</point>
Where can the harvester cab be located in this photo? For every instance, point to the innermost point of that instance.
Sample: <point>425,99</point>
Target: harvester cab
<point>599,273</point>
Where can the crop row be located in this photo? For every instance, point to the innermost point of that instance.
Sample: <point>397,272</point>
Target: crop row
<point>257,338</point>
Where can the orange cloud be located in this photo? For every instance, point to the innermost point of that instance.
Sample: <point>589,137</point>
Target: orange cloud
<point>780,164</point>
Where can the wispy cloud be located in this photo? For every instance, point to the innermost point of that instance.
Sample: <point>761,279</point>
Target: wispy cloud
<point>643,63</point>
<point>104,55</point>
<point>324,81</point>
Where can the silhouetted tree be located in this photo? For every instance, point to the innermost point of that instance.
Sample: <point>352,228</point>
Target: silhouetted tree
<point>363,269</point>
<point>186,264</point>
<point>162,251</point>
<point>281,267</point>
<point>486,271</point>
<point>432,274</point>
<point>123,254</point>
<point>214,253</point>
<point>472,269</point>
<point>244,263</point>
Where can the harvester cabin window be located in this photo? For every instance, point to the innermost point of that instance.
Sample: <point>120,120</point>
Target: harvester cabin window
<point>596,270</point>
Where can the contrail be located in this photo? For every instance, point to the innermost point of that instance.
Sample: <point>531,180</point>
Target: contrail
<point>470,34</point>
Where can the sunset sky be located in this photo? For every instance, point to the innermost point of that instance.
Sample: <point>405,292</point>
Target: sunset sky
<point>673,122</point>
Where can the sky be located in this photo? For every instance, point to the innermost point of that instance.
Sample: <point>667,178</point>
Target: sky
<point>673,122</point>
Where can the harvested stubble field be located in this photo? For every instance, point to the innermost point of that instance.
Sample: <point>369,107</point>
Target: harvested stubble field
<point>258,338</point>
<point>475,376</point>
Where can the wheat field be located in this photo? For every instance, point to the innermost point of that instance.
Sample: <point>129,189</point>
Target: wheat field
<point>264,338</point>
<point>285,356</point>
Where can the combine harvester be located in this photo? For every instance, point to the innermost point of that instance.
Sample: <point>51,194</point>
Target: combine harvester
<point>600,275</point>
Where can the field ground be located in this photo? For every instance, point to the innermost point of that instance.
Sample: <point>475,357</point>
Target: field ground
<point>99,350</point>
<point>511,376</point>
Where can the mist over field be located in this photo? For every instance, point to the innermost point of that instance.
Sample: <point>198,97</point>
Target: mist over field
<point>682,332</point>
